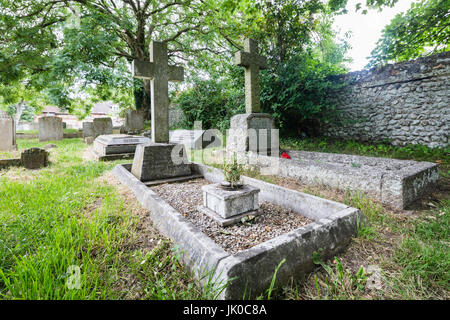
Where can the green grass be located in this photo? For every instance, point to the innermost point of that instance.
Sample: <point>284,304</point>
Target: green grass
<point>63,216</point>
<point>37,131</point>
<point>424,254</point>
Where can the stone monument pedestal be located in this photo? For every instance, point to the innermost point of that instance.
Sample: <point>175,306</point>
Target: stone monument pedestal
<point>117,146</point>
<point>156,161</point>
<point>252,132</point>
<point>227,207</point>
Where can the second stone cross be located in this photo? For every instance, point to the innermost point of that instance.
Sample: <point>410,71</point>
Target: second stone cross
<point>252,62</point>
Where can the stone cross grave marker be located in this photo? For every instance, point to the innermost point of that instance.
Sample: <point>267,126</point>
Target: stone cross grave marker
<point>253,62</point>
<point>160,73</point>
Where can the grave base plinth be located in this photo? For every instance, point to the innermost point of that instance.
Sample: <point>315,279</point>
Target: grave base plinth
<point>253,132</point>
<point>155,161</point>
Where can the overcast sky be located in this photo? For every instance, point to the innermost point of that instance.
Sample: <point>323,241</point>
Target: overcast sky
<point>366,29</point>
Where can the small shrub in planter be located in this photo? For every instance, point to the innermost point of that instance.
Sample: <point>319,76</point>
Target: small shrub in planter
<point>232,171</point>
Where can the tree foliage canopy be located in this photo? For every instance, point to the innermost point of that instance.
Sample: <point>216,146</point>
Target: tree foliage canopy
<point>424,29</point>
<point>72,53</point>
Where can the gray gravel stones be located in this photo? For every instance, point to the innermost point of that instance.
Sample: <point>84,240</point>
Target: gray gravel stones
<point>273,221</point>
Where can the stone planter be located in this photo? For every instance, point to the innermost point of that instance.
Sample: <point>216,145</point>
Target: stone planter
<point>225,185</point>
<point>229,203</point>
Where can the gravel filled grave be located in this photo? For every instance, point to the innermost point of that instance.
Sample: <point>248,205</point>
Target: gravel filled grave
<point>273,221</point>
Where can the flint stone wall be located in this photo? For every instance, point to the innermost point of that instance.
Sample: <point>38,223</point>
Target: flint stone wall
<point>405,103</point>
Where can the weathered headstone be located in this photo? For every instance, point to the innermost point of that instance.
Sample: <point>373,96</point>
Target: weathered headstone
<point>159,159</point>
<point>7,132</point>
<point>134,121</point>
<point>88,129</point>
<point>156,161</point>
<point>117,146</point>
<point>102,126</point>
<point>252,131</point>
<point>50,128</point>
<point>34,158</point>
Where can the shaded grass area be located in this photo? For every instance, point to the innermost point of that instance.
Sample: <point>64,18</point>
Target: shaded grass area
<point>66,234</point>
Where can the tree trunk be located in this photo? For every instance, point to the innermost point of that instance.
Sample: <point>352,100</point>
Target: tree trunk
<point>19,110</point>
<point>142,98</point>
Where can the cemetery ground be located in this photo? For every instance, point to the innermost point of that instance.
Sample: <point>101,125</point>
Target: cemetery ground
<point>74,213</point>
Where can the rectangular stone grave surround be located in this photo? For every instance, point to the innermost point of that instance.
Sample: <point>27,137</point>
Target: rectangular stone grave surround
<point>396,183</point>
<point>88,129</point>
<point>117,146</point>
<point>50,128</point>
<point>154,161</point>
<point>251,271</point>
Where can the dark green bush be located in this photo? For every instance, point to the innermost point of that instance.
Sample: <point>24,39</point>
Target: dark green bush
<point>213,102</point>
<point>296,94</point>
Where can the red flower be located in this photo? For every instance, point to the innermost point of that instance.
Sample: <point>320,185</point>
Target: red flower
<point>285,155</point>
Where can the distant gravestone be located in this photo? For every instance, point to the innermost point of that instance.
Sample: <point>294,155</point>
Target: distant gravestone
<point>34,158</point>
<point>102,126</point>
<point>7,132</point>
<point>134,121</point>
<point>50,128</point>
<point>88,129</point>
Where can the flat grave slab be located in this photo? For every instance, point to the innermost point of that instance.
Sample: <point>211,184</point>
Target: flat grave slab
<point>310,224</point>
<point>195,139</point>
<point>396,183</point>
<point>117,146</point>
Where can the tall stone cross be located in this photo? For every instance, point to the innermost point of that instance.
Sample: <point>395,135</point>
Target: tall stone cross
<point>253,62</point>
<point>160,73</point>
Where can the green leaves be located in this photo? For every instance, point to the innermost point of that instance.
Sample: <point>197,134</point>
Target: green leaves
<point>423,30</point>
